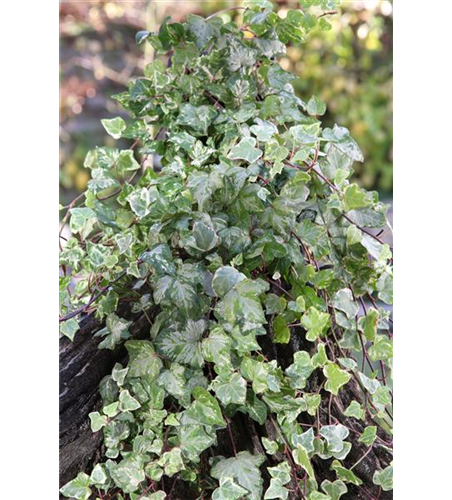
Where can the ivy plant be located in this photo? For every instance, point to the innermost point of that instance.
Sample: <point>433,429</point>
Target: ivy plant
<point>246,231</point>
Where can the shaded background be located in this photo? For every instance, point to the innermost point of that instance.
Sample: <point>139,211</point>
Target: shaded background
<point>349,67</point>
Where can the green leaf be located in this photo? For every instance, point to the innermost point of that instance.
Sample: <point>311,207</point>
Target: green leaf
<point>225,279</point>
<point>276,490</point>
<point>126,162</point>
<point>370,384</point>
<point>384,478</point>
<point>127,402</point>
<point>228,490</point>
<point>244,469</point>
<point>355,197</point>
<point>117,329</point>
<point>245,150</point>
<point>368,436</point>
<point>354,235</point>
<point>271,447</point>
<point>274,304</point>
<point>205,236</point>
<point>335,435</point>
<point>344,301</point>
<point>282,471</point>
<point>204,410</point>
<point>82,220</point>
<point>316,106</point>
<point>381,349</point>
<point>143,359</point>
<point>230,388</point>
<point>194,440</point>
<point>69,328</point>
<point>182,344</point>
<point>114,127</point>
<point>340,138</point>
<point>334,489</point>
<point>98,475</point>
<point>97,421</point>
<point>315,323</point>
<point>172,462</point>
<point>344,474</point>
<point>281,332</point>
<point>263,130</point>
<point>77,488</point>
<point>300,370</point>
<point>354,409</point>
<point>370,324</point>
<point>161,259</point>
<point>320,358</point>
<point>336,378</point>
<point>200,30</point>
<point>300,456</point>
<point>128,474</point>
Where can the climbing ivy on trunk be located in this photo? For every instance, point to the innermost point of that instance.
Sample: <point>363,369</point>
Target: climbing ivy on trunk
<point>245,233</point>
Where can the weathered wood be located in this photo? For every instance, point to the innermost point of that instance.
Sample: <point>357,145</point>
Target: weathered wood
<point>82,367</point>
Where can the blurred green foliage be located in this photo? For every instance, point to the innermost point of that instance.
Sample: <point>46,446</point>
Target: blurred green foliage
<point>349,67</point>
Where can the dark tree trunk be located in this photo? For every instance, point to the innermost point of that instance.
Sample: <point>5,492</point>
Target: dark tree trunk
<point>83,365</point>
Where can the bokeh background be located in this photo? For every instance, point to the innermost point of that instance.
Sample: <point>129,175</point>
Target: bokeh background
<point>349,67</point>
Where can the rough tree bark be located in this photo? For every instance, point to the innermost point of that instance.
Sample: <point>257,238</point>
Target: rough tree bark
<point>83,365</point>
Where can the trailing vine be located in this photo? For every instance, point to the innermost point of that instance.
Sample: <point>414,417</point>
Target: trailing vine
<point>244,236</point>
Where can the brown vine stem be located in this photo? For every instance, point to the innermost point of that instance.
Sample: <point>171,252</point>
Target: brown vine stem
<point>231,437</point>
<point>362,458</point>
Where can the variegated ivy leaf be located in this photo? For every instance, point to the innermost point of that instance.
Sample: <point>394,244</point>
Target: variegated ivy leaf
<point>228,490</point>
<point>263,130</point>
<point>225,279</point>
<point>230,388</point>
<point>384,478</point>
<point>316,495</point>
<point>244,469</point>
<point>282,471</point>
<point>334,489</point>
<point>276,490</point>
<point>335,435</point>
<point>78,488</point>
<point>182,344</point>
<point>194,439</point>
<point>127,402</point>
<point>172,462</point>
<point>203,410</point>
<point>114,127</point>
<point>343,300</point>
<point>354,409</point>
<point>128,473</point>
<point>369,435</point>
<point>316,106</point>
<point>69,328</point>
<point>116,330</point>
<point>245,150</point>
<point>271,447</point>
<point>143,359</point>
<point>82,221</point>
<point>336,378</point>
<point>300,456</point>
<point>344,474</point>
<point>97,421</point>
<point>300,370</point>
<point>315,323</point>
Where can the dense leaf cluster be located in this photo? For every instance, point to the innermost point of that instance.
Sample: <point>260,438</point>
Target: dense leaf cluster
<point>247,229</point>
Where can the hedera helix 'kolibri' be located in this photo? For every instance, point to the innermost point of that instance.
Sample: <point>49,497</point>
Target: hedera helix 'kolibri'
<point>249,228</point>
